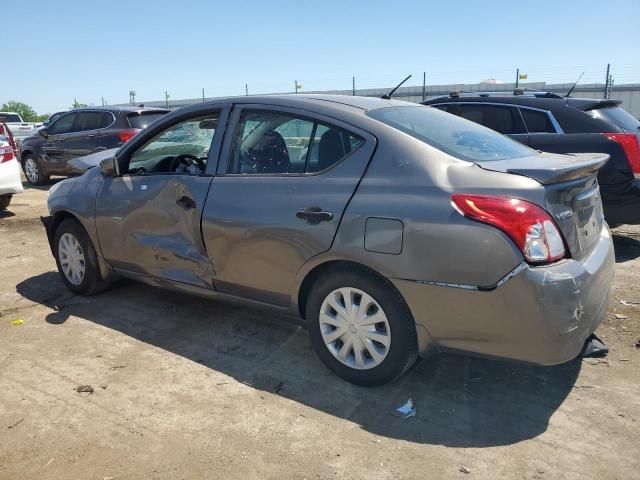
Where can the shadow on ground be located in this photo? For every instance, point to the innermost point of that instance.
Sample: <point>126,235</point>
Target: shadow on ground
<point>461,402</point>
<point>626,244</point>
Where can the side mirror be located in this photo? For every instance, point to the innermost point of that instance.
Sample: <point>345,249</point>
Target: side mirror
<point>43,132</point>
<point>109,167</point>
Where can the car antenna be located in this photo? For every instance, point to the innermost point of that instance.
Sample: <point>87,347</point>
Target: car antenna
<point>388,95</point>
<point>574,85</point>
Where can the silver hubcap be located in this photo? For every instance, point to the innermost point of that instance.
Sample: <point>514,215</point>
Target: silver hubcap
<point>354,328</point>
<point>71,258</point>
<point>31,170</point>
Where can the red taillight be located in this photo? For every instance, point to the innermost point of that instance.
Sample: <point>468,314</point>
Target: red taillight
<point>4,130</point>
<point>127,135</point>
<point>6,154</point>
<point>630,146</point>
<point>530,227</point>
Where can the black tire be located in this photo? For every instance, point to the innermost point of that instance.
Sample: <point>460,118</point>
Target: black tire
<point>92,282</point>
<point>5,200</point>
<point>40,178</point>
<point>403,349</point>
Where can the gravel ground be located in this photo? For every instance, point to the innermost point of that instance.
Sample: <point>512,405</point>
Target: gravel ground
<point>190,388</point>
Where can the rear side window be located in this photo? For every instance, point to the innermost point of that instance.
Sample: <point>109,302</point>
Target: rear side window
<point>453,135</point>
<point>106,119</point>
<point>274,142</point>
<point>500,119</point>
<point>87,121</point>
<point>142,120</point>
<point>618,116</point>
<point>537,122</point>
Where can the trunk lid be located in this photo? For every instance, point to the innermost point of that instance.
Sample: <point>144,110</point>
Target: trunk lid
<point>572,195</point>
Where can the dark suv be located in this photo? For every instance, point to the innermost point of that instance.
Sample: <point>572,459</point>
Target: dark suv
<point>77,133</point>
<point>552,123</point>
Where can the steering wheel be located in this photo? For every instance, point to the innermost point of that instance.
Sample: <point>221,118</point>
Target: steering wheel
<point>188,160</point>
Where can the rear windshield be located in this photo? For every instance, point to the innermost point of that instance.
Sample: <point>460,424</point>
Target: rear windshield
<point>10,118</point>
<point>456,136</point>
<point>142,120</point>
<point>618,116</point>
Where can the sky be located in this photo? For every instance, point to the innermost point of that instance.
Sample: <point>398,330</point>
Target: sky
<point>64,50</point>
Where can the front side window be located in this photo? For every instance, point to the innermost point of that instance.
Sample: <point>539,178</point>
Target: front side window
<point>537,122</point>
<point>500,119</point>
<point>453,135</point>
<point>63,124</point>
<point>279,143</point>
<point>182,148</point>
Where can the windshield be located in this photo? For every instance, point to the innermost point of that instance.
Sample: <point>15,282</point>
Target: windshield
<point>618,116</point>
<point>142,120</point>
<point>10,118</point>
<point>456,136</point>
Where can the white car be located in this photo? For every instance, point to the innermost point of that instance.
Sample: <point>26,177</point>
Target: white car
<point>10,181</point>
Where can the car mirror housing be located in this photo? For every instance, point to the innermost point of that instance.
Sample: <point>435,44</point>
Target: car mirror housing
<point>43,132</point>
<point>109,167</point>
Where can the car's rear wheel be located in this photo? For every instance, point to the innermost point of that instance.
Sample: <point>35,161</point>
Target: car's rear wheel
<point>77,259</point>
<point>5,200</point>
<point>360,327</point>
<point>33,171</point>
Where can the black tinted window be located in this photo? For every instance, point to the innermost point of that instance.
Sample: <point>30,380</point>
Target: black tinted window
<point>500,119</point>
<point>87,121</point>
<point>618,116</point>
<point>273,142</point>
<point>142,120</point>
<point>63,124</point>
<point>106,119</point>
<point>537,122</point>
<point>441,107</point>
<point>451,134</point>
<point>9,118</point>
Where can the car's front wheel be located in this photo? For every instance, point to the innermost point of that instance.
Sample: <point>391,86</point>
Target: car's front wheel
<point>5,200</point>
<point>360,327</point>
<point>33,171</point>
<point>77,259</point>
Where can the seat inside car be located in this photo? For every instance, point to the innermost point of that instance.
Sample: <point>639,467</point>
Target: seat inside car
<point>270,154</point>
<point>330,149</point>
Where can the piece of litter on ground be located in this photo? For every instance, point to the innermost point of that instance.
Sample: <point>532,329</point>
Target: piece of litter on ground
<point>49,462</point>
<point>464,469</point>
<point>405,411</point>
<point>627,303</point>
<point>623,359</point>
<point>84,389</point>
<point>619,316</point>
<point>17,423</point>
<point>17,322</point>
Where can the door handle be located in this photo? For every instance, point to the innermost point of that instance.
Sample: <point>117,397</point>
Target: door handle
<point>314,215</point>
<point>186,203</point>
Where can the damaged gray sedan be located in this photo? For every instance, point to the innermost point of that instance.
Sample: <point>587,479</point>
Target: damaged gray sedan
<point>394,230</point>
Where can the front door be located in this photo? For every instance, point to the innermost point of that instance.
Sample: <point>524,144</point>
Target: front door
<point>148,218</point>
<point>54,147</point>
<point>278,197</point>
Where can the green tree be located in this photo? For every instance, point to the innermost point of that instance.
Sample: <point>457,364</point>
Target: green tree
<point>27,113</point>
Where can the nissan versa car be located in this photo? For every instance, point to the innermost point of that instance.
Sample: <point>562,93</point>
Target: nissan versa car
<point>77,133</point>
<point>393,229</point>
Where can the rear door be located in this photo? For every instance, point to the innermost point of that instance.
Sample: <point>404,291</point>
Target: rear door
<point>279,196</point>
<point>503,119</point>
<point>85,137</point>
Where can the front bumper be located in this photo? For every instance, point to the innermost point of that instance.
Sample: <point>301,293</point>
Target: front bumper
<point>540,315</point>
<point>10,181</point>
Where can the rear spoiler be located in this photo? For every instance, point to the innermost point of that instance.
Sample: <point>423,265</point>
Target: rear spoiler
<point>602,104</point>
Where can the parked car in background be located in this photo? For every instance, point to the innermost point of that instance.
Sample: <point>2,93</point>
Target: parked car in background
<point>10,181</point>
<point>19,128</point>
<point>80,132</point>
<point>552,123</point>
<point>395,230</point>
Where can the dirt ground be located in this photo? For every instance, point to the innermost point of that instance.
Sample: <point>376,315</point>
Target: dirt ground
<point>187,388</point>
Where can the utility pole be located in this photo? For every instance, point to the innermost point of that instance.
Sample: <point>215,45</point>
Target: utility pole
<point>353,86</point>
<point>246,89</point>
<point>607,79</point>
<point>517,77</point>
<point>166,98</point>
<point>295,85</point>
<point>424,86</point>
<point>132,97</point>
<point>203,94</point>
<point>103,104</point>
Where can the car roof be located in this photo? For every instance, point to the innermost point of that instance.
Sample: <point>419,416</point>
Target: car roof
<point>547,103</point>
<point>107,108</point>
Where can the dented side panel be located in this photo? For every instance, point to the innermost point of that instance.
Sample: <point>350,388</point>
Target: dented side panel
<point>143,229</point>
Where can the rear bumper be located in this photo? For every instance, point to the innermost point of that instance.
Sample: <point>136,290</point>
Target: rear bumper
<point>540,315</point>
<point>625,210</point>
<point>10,181</point>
